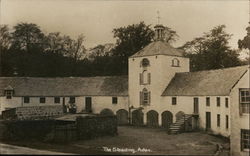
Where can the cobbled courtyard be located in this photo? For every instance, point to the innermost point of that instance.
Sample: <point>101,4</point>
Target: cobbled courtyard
<point>139,140</point>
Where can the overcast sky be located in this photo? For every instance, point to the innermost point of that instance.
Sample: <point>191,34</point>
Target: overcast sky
<point>96,19</point>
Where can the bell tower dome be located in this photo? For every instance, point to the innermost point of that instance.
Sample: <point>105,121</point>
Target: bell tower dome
<point>159,32</point>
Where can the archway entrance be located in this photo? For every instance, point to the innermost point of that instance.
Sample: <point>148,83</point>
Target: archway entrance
<point>137,117</point>
<point>166,119</point>
<point>106,112</point>
<point>152,119</point>
<point>122,117</point>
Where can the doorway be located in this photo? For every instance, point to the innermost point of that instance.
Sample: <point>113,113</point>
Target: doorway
<point>88,104</point>
<point>208,120</point>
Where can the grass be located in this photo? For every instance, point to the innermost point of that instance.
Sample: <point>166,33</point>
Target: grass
<point>154,141</point>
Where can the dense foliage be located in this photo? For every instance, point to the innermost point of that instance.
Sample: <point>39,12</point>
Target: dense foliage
<point>28,51</point>
<point>212,51</point>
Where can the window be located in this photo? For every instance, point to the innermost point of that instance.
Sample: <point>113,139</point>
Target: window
<point>56,99</point>
<point>175,62</point>
<point>218,120</point>
<point>245,139</point>
<point>26,99</point>
<point>227,122</point>
<point>145,97</point>
<point>8,94</point>
<point>207,101</point>
<point>244,100</point>
<point>226,102</point>
<point>218,101</point>
<point>145,77</point>
<point>72,100</point>
<point>145,62</point>
<point>196,105</point>
<point>114,100</point>
<point>174,101</point>
<point>42,99</point>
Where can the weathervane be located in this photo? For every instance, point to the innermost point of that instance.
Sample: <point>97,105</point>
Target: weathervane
<point>158,16</point>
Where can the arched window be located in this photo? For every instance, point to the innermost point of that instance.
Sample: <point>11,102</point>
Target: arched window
<point>145,77</point>
<point>145,62</point>
<point>175,62</point>
<point>144,97</point>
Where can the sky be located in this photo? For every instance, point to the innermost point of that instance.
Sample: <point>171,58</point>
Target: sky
<point>96,19</point>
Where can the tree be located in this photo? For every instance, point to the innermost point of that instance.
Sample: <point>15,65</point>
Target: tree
<point>77,49</point>
<point>27,36</point>
<point>101,50</point>
<point>211,51</point>
<point>54,43</point>
<point>129,40</point>
<point>245,43</point>
<point>170,35</point>
<point>5,42</point>
<point>5,37</point>
<point>132,38</point>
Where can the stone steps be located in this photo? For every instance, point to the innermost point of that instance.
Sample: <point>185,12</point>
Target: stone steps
<point>176,127</point>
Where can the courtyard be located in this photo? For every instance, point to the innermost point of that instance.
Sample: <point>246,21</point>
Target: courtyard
<point>137,140</point>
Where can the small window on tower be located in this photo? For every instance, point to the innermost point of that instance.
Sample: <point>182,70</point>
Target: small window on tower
<point>175,62</point>
<point>145,62</point>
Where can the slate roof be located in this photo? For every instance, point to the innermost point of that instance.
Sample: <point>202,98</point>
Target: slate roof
<point>159,48</point>
<point>205,83</point>
<point>66,86</point>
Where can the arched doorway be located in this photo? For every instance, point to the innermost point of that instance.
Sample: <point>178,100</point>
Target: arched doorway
<point>106,112</point>
<point>122,116</point>
<point>137,117</point>
<point>152,118</point>
<point>166,119</point>
<point>179,115</point>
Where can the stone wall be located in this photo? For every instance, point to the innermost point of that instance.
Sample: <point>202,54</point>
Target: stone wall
<point>25,129</point>
<point>58,131</point>
<point>33,112</point>
<point>91,127</point>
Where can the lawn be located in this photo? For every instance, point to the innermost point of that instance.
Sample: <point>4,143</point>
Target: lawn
<point>138,140</point>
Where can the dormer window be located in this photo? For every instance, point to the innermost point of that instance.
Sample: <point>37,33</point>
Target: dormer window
<point>145,62</point>
<point>9,92</point>
<point>175,62</point>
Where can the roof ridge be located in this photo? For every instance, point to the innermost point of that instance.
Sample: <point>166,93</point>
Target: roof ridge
<point>214,69</point>
<point>158,48</point>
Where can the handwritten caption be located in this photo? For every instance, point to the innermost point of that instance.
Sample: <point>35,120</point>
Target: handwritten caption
<point>127,150</point>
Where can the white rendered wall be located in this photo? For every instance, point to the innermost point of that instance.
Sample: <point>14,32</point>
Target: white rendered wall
<point>238,121</point>
<point>102,102</point>
<point>161,74</point>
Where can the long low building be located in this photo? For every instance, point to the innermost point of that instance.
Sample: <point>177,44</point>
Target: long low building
<point>87,94</point>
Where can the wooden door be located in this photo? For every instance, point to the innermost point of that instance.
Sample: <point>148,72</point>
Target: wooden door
<point>208,120</point>
<point>88,104</point>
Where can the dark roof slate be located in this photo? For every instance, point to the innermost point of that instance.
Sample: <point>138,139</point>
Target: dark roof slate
<point>205,83</point>
<point>66,86</point>
<point>159,48</point>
